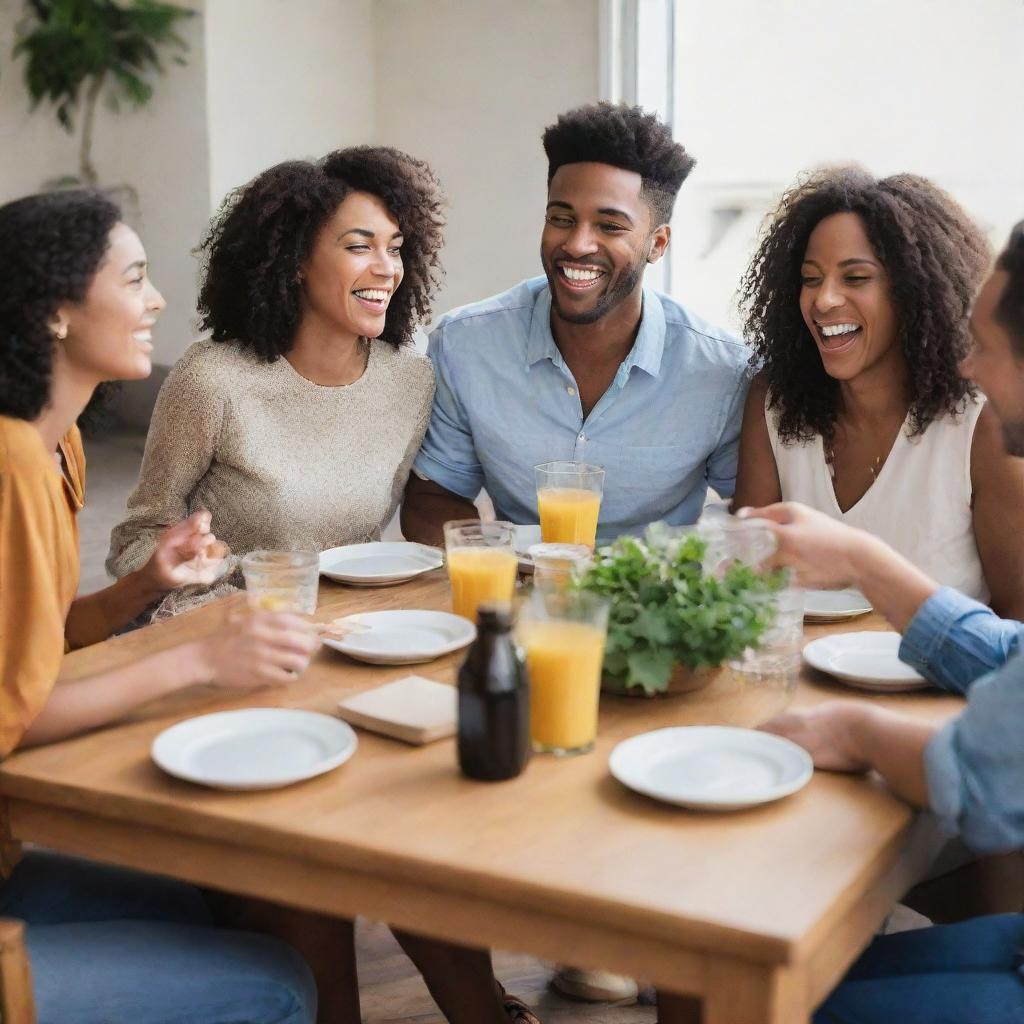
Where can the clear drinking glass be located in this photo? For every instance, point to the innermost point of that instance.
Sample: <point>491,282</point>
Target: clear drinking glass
<point>568,502</point>
<point>482,563</point>
<point>562,633</point>
<point>768,672</point>
<point>557,565</point>
<point>282,581</point>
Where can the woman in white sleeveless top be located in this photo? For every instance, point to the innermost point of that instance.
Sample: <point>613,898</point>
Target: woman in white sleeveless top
<point>856,306</point>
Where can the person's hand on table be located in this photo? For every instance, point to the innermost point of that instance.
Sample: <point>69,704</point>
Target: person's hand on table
<point>819,549</point>
<point>187,553</point>
<point>257,648</point>
<point>828,733</point>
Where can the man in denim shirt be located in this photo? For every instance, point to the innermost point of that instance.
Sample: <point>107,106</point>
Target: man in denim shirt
<point>969,771</point>
<point>585,364</point>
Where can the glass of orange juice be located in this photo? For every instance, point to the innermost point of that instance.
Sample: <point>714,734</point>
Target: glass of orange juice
<point>562,633</point>
<point>482,563</point>
<point>282,581</point>
<point>568,502</point>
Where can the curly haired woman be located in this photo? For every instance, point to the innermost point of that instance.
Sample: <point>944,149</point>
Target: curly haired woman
<point>296,422</point>
<point>77,309</point>
<point>857,306</point>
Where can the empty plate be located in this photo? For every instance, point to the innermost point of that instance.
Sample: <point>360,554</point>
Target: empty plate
<point>379,563</point>
<point>404,637</point>
<point>834,605</point>
<point>255,748</point>
<point>867,660</point>
<point>711,767</point>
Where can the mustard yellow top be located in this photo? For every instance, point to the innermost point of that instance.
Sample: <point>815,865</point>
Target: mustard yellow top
<point>39,567</point>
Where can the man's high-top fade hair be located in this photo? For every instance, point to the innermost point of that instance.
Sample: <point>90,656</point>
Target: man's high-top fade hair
<point>626,137</point>
<point>1010,308</point>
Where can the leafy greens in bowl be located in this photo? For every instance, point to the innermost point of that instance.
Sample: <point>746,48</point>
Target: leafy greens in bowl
<point>668,610</point>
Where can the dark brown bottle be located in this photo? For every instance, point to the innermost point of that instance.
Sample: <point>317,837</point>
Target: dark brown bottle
<point>494,702</point>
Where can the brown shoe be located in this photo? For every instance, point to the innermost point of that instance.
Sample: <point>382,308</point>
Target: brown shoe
<point>518,1012</point>
<point>593,986</point>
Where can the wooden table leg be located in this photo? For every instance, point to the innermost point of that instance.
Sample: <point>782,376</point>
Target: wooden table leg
<point>739,993</point>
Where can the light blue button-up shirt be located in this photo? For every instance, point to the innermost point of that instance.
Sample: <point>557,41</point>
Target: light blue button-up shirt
<point>975,763</point>
<point>666,428</point>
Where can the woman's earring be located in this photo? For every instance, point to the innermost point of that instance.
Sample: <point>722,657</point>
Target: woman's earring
<point>61,332</point>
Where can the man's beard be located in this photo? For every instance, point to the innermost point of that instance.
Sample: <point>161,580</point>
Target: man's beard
<point>1013,438</point>
<point>618,293</point>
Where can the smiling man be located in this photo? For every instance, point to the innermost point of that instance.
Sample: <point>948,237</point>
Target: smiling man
<point>585,363</point>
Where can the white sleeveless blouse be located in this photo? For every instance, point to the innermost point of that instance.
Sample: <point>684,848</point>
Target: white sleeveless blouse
<point>920,503</point>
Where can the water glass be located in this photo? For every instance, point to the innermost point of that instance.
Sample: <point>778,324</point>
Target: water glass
<point>555,566</point>
<point>482,563</point>
<point>568,502</point>
<point>282,581</point>
<point>768,672</point>
<point>563,635</point>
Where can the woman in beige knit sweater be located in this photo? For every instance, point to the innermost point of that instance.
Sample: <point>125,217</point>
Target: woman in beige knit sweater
<point>297,421</point>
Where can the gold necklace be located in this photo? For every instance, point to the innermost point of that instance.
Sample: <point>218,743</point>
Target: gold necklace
<point>874,468</point>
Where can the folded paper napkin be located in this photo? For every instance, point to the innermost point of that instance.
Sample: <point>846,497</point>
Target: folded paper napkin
<point>412,709</point>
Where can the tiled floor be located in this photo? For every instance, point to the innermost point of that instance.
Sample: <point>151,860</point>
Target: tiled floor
<point>392,991</point>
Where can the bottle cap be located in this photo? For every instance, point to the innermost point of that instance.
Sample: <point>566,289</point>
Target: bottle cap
<point>494,615</point>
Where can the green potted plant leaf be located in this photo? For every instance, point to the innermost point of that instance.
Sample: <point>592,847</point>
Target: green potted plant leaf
<point>671,619</point>
<point>78,50</point>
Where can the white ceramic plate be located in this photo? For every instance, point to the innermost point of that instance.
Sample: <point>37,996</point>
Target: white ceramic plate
<point>404,637</point>
<point>711,767</point>
<point>866,660</point>
<point>379,563</point>
<point>834,605</point>
<point>255,748</point>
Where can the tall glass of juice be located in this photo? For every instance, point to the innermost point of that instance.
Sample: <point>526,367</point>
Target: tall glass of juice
<point>562,633</point>
<point>482,564</point>
<point>568,502</point>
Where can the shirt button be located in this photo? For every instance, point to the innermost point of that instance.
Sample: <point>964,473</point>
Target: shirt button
<point>570,391</point>
<point>582,437</point>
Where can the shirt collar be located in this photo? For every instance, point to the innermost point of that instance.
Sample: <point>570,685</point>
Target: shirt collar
<point>645,354</point>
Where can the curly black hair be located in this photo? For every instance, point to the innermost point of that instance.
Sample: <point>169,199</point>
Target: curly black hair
<point>51,246</point>
<point>251,293</point>
<point>934,256</point>
<point>1010,308</point>
<point>622,136</point>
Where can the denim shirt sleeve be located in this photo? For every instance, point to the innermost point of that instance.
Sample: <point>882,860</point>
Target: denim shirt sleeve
<point>974,764</point>
<point>952,640</point>
<point>448,455</point>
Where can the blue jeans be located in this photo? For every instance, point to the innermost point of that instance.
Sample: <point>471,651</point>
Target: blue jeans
<point>966,973</point>
<point>110,946</point>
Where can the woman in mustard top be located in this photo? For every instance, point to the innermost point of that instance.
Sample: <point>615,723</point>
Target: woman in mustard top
<point>77,309</point>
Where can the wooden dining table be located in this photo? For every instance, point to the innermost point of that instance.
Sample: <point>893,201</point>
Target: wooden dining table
<point>758,913</point>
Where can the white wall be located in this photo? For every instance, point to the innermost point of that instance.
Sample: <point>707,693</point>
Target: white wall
<point>469,85</point>
<point>765,90</point>
<point>160,150</point>
<point>285,80</point>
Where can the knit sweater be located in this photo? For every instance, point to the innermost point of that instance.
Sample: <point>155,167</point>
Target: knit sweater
<point>279,461</point>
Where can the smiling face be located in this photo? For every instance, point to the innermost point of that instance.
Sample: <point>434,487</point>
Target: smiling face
<point>994,364</point>
<point>108,335</point>
<point>597,240</point>
<point>845,299</point>
<point>355,267</point>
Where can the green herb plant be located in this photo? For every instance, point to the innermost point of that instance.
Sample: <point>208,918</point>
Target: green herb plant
<point>667,610</point>
<point>77,50</point>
